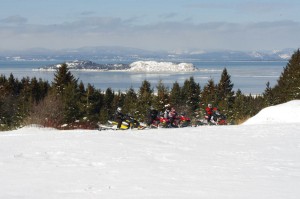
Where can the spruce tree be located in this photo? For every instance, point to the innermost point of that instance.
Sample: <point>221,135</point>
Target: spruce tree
<point>25,98</point>
<point>209,94</point>
<point>8,104</point>
<point>65,87</point>
<point>162,97</point>
<point>191,95</point>
<point>268,95</point>
<point>71,102</point>
<point>145,100</point>
<point>288,84</point>
<point>130,101</point>
<point>225,94</point>
<point>62,78</point>
<point>240,108</point>
<point>106,112</point>
<point>118,100</point>
<point>175,95</point>
<point>93,103</point>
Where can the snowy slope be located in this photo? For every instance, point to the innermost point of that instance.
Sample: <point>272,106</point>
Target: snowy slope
<point>229,162</point>
<point>282,113</point>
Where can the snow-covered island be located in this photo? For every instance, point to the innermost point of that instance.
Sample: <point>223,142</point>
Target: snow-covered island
<point>153,66</point>
<point>138,66</point>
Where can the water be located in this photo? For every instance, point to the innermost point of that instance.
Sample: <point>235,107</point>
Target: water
<point>249,77</point>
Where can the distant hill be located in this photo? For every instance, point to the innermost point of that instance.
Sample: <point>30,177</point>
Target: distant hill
<point>122,54</point>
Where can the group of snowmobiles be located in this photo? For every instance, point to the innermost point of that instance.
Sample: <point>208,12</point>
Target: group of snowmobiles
<point>160,121</point>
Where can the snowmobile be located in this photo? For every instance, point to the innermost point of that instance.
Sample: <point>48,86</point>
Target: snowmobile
<point>163,122</point>
<point>183,121</point>
<point>216,119</point>
<point>160,121</point>
<point>128,123</point>
<point>155,123</point>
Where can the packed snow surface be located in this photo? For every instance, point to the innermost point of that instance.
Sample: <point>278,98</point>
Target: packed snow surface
<point>149,66</point>
<point>228,162</point>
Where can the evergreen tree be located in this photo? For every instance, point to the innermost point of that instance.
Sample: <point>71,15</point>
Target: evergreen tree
<point>130,101</point>
<point>106,113</point>
<point>118,101</point>
<point>71,103</point>
<point>268,95</point>
<point>162,97</point>
<point>225,94</point>
<point>39,89</point>
<point>93,103</point>
<point>10,114</point>
<point>175,95</point>
<point>62,78</point>
<point>144,99</point>
<point>65,87</point>
<point>209,93</point>
<point>25,98</point>
<point>191,95</point>
<point>288,84</point>
<point>240,108</point>
<point>8,106</point>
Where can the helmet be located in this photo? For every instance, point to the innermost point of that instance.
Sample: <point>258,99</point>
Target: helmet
<point>209,105</point>
<point>167,106</point>
<point>119,109</point>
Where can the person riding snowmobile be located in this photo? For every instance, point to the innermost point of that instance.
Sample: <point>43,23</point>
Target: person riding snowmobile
<point>133,123</point>
<point>119,117</point>
<point>152,116</point>
<point>218,118</point>
<point>172,116</point>
<point>209,112</point>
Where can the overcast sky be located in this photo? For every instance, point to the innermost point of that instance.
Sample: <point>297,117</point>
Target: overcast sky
<point>150,24</point>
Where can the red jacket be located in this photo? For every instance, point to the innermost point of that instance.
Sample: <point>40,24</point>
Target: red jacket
<point>209,111</point>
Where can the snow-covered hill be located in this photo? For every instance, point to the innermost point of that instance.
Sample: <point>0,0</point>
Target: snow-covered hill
<point>234,162</point>
<point>279,114</point>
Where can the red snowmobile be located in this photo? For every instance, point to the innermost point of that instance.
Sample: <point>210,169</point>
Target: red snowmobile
<point>183,121</point>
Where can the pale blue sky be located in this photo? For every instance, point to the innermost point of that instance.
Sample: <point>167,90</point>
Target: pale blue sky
<point>150,24</point>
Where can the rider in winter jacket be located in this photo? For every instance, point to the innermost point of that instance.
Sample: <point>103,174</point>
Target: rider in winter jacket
<point>152,115</point>
<point>119,117</point>
<point>209,112</point>
<point>172,116</point>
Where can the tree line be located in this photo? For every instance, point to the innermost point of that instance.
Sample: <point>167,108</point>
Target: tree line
<point>68,103</point>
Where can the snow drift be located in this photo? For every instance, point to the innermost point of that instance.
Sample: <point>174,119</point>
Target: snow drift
<point>231,162</point>
<point>283,113</point>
